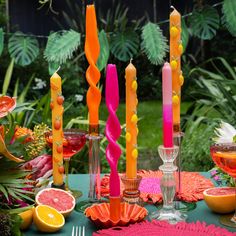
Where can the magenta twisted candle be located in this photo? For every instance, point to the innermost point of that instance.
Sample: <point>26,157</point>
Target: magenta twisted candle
<point>113,129</point>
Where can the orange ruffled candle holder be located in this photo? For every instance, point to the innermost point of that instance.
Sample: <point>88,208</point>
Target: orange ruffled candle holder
<point>99,214</point>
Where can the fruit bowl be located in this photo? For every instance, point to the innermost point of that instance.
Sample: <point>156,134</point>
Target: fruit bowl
<point>99,214</point>
<point>220,199</point>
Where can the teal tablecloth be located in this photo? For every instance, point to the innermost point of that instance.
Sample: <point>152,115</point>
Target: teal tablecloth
<point>81,182</point>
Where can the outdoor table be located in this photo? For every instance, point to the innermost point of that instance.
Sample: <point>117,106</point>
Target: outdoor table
<point>81,182</point>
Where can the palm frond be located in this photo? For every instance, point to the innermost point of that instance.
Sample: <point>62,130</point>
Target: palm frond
<point>124,45</point>
<point>154,43</point>
<point>23,49</point>
<point>229,15</point>
<point>204,22</point>
<point>104,50</point>
<point>61,46</point>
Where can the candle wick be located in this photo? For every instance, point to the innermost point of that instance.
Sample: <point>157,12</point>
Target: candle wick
<point>131,59</point>
<point>172,7</point>
<point>58,69</point>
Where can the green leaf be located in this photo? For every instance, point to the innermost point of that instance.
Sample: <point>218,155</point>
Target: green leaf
<point>61,46</point>
<point>23,49</point>
<point>204,22</point>
<point>154,43</point>
<point>1,41</point>
<point>104,50</point>
<point>229,14</point>
<point>7,78</point>
<point>24,92</point>
<point>124,45</point>
<point>184,34</point>
<point>52,67</point>
<point>3,190</point>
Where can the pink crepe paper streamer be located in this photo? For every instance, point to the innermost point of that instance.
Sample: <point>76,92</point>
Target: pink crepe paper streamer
<point>113,129</point>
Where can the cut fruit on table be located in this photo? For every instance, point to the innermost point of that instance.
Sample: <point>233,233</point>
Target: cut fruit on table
<point>48,219</point>
<point>220,199</point>
<point>59,199</point>
<point>27,217</point>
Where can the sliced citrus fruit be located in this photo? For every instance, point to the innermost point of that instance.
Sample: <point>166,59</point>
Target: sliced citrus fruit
<point>59,199</point>
<point>220,199</point>
<point>48,219</point>
<point>27,217</point>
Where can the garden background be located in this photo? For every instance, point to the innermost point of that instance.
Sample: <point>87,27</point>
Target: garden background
<point>38,36</point>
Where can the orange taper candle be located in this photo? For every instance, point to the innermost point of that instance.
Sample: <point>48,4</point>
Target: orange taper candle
<point>92,49</point>
<point>131,121</point>
<point>57,128</point>
<point>176,50</point>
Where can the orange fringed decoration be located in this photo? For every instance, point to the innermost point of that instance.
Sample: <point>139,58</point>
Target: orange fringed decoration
<point>176,50</point>
<point>92,49</point>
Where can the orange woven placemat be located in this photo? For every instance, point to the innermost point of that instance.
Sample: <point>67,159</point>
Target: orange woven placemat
<point>193,185</point>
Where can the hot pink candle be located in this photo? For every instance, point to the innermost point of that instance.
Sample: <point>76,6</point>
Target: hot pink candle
<point>167,106</point>
<point>113,129</point>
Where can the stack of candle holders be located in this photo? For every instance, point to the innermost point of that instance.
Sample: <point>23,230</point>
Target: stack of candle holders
<point>168,187</point>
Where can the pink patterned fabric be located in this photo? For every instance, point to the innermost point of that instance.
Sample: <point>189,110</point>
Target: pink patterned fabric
<point>193,185</point>
<point>163,228</point>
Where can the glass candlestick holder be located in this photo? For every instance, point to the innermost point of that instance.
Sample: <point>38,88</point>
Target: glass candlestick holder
<point>131,193</point>
<point>94,194</point>
<point>168,187</point>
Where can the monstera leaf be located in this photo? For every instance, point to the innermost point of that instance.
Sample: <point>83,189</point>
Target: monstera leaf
<point>204,22</point>
<point>1,41</point>
<point>229,15</point>
<point>61,46</point>
<point>125,45</point>
<point>23,49</point>
<point>154,43</point>
<point>184,34</point>
<point>104,51</point>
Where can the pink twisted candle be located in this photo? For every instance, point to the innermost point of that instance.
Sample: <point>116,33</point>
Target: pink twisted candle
<point>113,129</point>
<point>92,49</point>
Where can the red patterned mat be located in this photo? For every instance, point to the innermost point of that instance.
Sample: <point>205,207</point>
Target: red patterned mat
<point>165,229</point>
<point>193,185</point>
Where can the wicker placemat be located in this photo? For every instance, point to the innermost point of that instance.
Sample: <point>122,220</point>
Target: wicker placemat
<point>193,185</point>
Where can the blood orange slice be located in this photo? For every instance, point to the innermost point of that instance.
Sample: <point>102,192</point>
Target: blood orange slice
<point>220,200</point>
<point>59,199</point>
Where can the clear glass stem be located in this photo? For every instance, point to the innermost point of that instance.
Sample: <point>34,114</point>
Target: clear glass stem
<point>94,167</point>
<point>66,161</point>
<point>168,186</point>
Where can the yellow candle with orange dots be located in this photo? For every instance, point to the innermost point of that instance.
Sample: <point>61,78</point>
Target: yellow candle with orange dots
<point>131,121</point>
<point>57,128</point>
<point>176,49</point>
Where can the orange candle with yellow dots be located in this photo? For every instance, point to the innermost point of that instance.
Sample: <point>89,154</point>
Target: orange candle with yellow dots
<point>176,50</point>
<point>92,49</point>
<point>57,129</point>
<point>131,121</point>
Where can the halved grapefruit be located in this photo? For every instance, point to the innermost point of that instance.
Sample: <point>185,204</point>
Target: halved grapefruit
<point>59,199</point>
<point>220,199</point>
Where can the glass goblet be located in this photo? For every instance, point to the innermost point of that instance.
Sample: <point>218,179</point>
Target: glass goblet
<point>224,156</point>
<point>73,141</point>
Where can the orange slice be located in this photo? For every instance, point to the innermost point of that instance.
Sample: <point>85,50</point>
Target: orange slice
<point>48,219</point>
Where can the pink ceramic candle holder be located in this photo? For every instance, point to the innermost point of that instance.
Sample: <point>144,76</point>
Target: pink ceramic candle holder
<point>99,214</point>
